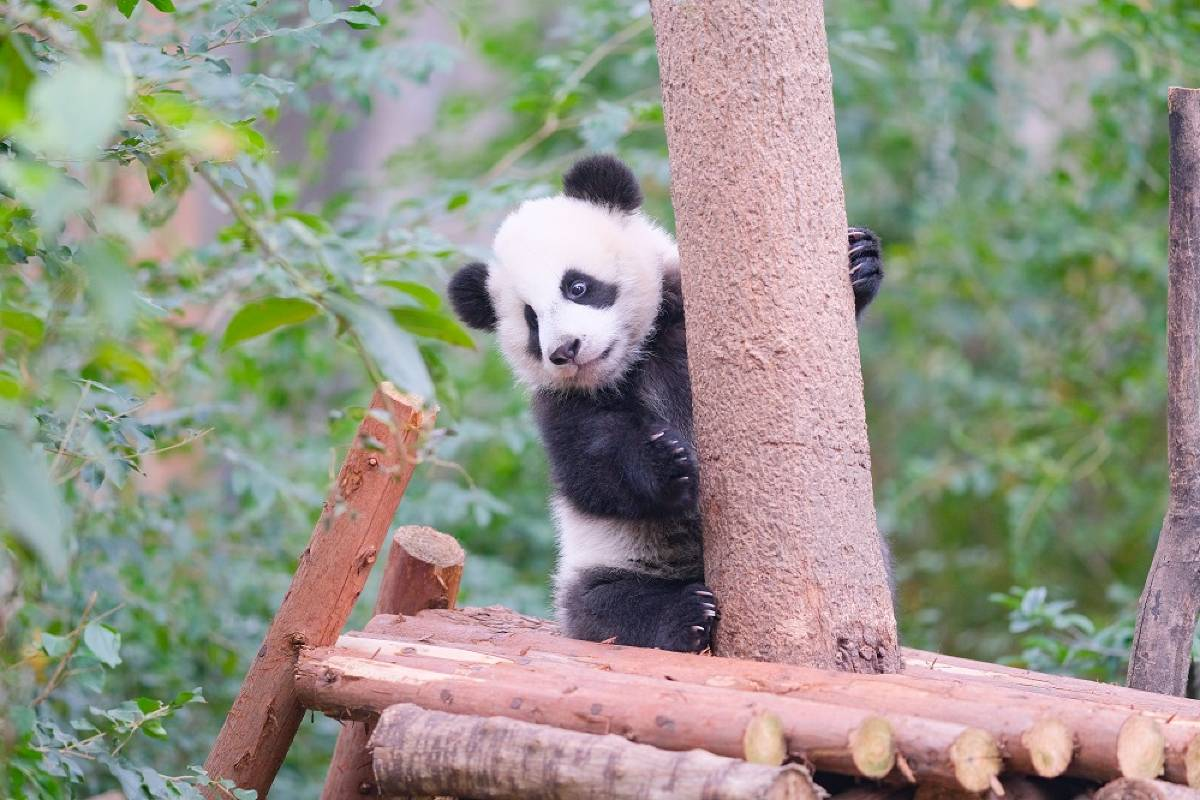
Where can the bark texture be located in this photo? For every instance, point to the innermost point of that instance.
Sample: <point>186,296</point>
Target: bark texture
<point>1132,789</point>
<point>330,575</point>
<point>791,544</point>
<point>431,752</point>
<point>1162,640</point>
<point>1044,725</point>
<point>423,570</point>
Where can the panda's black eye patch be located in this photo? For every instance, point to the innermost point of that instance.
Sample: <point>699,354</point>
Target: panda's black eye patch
<point>532,345</point>
<point>581,288</point>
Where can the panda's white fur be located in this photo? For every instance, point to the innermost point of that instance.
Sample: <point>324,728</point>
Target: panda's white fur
<point>534,245</point>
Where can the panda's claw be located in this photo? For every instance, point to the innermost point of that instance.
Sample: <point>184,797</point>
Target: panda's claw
<point>704,593</point>
<point>697,612</point>
<point>654,437</point>
<point>866,266</point>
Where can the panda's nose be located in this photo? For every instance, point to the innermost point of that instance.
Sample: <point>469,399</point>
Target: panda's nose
<point>565,353</point>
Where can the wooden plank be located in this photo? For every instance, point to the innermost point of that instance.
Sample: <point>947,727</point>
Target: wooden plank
<point>330,575</point>
<point>423,570</point>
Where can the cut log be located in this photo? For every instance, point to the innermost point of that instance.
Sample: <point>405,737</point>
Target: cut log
<point>330,575</point>
<point>360,677</point>
<point>1166,625</point>
<point>1134,789</point>
<point>794,555</point>
<point>1038,732</point>
<point>423,571</point>
<point>492,758</point>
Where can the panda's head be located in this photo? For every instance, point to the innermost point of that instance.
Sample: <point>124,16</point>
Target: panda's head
<point>576,282</point>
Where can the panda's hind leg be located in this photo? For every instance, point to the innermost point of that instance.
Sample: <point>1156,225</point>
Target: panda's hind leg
<point>625,607</point>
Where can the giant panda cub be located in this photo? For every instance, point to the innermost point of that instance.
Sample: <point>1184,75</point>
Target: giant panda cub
<point>584,296</point>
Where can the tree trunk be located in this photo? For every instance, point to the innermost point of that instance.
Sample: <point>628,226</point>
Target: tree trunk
<point>360,677</point>
<point>1162,641</point>
<point>423,570</point>
<point>430,752</point>
<point>330,575</point>
<point>791,545</point>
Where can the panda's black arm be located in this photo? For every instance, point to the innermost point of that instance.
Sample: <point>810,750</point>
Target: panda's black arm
<point>866,267</point>
<point>610,459</point>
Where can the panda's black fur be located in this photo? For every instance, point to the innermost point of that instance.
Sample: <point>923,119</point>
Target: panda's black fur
<point>621,452</point>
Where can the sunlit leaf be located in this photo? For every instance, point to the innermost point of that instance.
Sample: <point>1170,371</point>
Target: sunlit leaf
<point>74,111</point>
<point>104,642</point>
<point>126,7</point>
<point>22,324</point>
<point>166,6</point>
<point>263,316</point>
<point>32,507</point>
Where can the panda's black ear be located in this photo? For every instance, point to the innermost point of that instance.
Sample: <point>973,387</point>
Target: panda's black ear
<point>604,180</point>
<point>470,298</point>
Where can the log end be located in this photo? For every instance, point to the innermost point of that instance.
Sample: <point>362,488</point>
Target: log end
<point>1051,745</point>
<point>873,747</point>
<point>430,546</point>
<point>976,759</point>
<point>1141,748</point>
<point>763,741</point>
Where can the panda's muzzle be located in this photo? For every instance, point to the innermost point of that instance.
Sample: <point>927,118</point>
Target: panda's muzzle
<point>565,353</point>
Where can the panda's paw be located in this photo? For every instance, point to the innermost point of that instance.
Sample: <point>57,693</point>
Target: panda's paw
<point>687,624</point>
<point>675,466</point>
<point>866,266</point>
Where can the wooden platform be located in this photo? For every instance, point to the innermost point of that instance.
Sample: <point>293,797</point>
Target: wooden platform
<point>945,720</point>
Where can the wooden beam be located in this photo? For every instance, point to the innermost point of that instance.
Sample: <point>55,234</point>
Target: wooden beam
<point>423,571</point>
<point>420,752</point>
<point>1162,639</point>
<point>330,574</point>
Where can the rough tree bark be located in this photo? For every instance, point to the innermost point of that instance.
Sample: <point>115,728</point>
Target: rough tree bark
<point>492,758</point>
<point>330,575</point>
<point>1162,641</point>
<point>791,544</point>
<point>424,568</point>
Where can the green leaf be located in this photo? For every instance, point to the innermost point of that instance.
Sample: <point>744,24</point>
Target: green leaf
<point>30,503</point>
<point>457,200</point>
<point>110,284</point>
<point>360,17</point>
<point>165,6</point>
<point>432,325</point>
<point>320,10</point>
<point>419,292</point>
<point>393,350</point>
<point>104,642</point>
<point>55,646</point>
<point>23,324</point>
<point>126,7</point>
<point>16,76</point>
<point>263,316</point>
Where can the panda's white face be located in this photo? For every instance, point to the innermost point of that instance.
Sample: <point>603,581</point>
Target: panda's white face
<point>575,289</point>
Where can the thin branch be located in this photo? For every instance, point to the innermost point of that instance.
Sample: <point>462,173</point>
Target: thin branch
<point>75,635</point>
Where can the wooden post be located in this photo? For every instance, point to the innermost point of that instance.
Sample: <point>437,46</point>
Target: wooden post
<point>423,571</point>
<point>491,758</point>
<point>794,555</point>
<point>329,577</point>
<point>1162,640</point>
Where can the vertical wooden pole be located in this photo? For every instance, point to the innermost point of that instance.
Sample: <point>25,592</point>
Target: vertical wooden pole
<point>1162,640</point>
<point>423,571</point>
<point>793,555</point>
<point>329,577</point>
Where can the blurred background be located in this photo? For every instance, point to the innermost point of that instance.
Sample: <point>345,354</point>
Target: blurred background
<point>222,221</point>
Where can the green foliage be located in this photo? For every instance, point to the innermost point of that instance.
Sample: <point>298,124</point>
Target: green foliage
<point>174,394</point>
